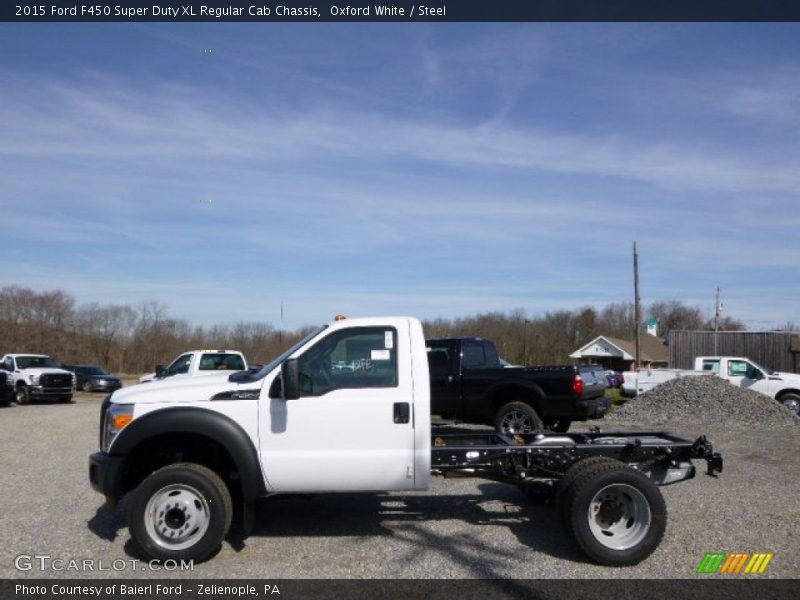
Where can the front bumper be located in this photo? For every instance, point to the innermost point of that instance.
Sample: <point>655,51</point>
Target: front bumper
<point>105,474</point>
<point>37,391</point>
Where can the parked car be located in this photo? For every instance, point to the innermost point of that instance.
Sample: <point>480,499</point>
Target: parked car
<point>613,378</point>
<point>91,378</point>
<point>37,377</point>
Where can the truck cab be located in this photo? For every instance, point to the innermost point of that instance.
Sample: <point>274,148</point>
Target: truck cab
<point>198,363</point>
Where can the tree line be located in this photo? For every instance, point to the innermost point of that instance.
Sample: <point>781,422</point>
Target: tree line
<point>132,339</point>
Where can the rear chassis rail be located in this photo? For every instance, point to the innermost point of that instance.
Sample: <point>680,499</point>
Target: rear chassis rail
<point>536,458</point>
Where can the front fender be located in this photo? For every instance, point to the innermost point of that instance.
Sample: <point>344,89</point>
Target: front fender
<point>204,422</point>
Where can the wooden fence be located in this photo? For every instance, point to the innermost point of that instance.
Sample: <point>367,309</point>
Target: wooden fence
<point>777,350</point>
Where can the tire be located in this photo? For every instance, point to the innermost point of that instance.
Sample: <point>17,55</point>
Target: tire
<point>565,484</point>
<point>517,417</point>
<point>191,529</point>
<point>5,397</point>
<point>87,386</point>
<point>617,515</point>
<point>792,402</point>
<point>66,399</point>
<point>23,395</point>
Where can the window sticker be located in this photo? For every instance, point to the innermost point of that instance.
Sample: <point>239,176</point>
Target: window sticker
<point>389,340</point>
<point>380,355</point>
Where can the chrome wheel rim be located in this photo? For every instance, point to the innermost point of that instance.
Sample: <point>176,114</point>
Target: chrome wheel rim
<point>516,422</point>
<point>793,405</point>
<point>619,516</point>
<point>177,516</point>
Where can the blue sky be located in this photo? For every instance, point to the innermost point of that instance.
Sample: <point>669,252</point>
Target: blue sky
<point>432,170</point>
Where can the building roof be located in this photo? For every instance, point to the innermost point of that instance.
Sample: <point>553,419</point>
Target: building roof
<point>652,348</point>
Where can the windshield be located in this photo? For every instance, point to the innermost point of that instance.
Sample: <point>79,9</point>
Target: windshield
<point>758,366</point>
<point>35,362</point>
<point>249,376</point>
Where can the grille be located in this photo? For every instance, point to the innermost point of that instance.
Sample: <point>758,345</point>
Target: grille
<point>55,380</point>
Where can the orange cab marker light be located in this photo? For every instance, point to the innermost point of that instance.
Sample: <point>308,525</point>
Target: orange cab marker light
<point>339,318</point>
<point>119,421</point>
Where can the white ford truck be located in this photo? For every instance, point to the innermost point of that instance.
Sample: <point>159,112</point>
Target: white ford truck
<point>37,376</point>
<point>193,452</point>
<point>739,371</point>
<point>199,362</point>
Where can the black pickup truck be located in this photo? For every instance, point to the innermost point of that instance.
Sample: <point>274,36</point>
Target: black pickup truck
<point>471,384</point>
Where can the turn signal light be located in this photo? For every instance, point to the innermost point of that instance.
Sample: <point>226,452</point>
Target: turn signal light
<point>119,421</point>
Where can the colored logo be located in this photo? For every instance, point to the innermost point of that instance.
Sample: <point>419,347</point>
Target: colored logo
<point>734,563</point>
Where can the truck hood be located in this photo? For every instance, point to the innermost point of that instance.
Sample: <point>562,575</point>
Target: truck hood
<point>791,377</point>
<point>186,389</point>
<point>45,370</point>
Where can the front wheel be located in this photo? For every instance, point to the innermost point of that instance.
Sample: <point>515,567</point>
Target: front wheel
<point>87,386</point>
<point>182,511</point>
<point>23,395</point>
<point>617,516</point>
<point>517,417</point>
<point>792,402</point>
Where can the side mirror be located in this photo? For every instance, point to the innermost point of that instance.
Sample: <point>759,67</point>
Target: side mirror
<point>290,374</point>
<point>161,371</point>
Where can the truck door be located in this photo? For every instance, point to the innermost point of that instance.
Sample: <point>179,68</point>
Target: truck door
<point>443,364</point>
<point>744,374</point>
<point>352,429</point>
<point>480,364</point>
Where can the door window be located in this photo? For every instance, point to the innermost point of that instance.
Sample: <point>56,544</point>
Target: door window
<point>362,357</point>
<point>473,356</point>
<point>738,368</point>
<point>711,365</point>
<point>180,366</point>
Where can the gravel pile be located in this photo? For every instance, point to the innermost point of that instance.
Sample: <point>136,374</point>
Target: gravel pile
<point>706,399</point>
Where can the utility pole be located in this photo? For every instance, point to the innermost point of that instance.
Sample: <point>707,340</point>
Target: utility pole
<point>280,331</point>
<point>636,307</point>
<point>525,344</point>
<point>717,309</point>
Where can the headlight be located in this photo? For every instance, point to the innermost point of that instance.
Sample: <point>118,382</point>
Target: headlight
<point>34,379</point>
<point>117,417</point>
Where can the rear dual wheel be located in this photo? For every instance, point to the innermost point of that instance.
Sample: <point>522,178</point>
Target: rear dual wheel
<point>615,514</point>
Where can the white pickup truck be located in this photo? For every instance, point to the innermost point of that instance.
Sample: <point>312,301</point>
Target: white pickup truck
<point>37,376</point>
<point>741,372</point>
<point>199,362</point>
<point>186,449</point>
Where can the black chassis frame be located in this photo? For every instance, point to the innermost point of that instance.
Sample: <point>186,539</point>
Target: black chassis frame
<point>536,458</point>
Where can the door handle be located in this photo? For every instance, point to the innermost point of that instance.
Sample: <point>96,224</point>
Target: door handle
<point>402,412</point>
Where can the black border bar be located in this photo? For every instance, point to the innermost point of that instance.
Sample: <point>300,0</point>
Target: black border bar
<point>403,11</point>
<point>716,588</point>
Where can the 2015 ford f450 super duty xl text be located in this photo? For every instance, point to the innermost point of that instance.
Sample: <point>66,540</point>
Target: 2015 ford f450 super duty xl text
<point>348,409</point>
